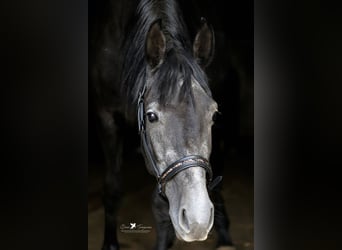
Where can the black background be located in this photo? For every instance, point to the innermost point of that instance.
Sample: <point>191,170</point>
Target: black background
<point>296,130</point>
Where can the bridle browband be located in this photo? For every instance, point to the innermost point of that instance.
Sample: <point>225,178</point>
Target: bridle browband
<point>177,166</point>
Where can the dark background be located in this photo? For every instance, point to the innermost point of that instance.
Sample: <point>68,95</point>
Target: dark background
<point>45,127</point>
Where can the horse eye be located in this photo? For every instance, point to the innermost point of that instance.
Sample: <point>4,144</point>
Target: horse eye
<point>152,117</point>
<point>216,116</point>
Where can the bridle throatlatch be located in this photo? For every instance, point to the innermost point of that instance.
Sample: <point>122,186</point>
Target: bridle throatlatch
<point>176,167</point>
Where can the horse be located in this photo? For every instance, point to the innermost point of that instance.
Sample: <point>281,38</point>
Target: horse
<point>145,70</point>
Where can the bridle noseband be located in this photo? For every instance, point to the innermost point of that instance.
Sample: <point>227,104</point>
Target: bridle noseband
<point>176,167</point>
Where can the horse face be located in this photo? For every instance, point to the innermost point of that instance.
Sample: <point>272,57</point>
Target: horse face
<point>175,130</point>
<point>181,127</point>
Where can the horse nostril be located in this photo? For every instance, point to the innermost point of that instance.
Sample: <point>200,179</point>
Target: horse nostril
<point>184,221</point>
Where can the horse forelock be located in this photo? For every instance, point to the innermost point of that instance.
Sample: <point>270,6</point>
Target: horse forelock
<point>177,65</point>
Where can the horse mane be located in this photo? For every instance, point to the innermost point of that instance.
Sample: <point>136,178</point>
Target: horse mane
<point>178,63</point>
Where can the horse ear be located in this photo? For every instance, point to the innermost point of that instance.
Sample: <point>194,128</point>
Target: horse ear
<point>155,44</point>
<point>203,47</point>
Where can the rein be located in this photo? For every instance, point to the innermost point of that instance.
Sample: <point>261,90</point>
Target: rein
<point>177,166</point>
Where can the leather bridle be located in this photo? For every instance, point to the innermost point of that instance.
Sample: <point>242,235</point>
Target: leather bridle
<point>177,166</point>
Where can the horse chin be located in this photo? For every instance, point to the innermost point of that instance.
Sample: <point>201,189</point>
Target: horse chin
<point>188,238</point>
